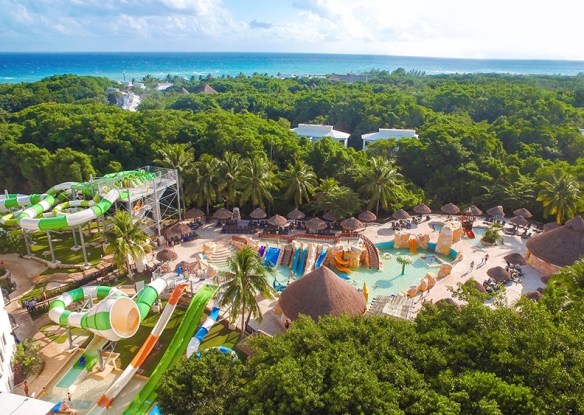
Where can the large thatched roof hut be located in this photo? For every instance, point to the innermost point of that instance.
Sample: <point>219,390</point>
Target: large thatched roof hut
<point>564,245</point>
<point>321,292</point>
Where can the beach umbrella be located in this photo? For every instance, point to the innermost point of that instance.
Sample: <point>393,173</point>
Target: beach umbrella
<point>296,214</point>
<point>166,255</point>
<point>450,209</point>
<point>258,213</point>
<point>422,209</point>
<point>194,213</point>
<point>178,229</point>
<point>496,211</point>
<point>519,220</point>
<point>329,216</point>
<point>223,214</point>
<point>352,224</point>
<point>367,216</point>
<point>499,274</point>
<point>277,220</point>
<point>400,214</point>
<point>550,225</point>
<point>534,295</point>
<point>515,258</point>
<point>475,211</point>
<point>315,224</point>
<point>522,212</point>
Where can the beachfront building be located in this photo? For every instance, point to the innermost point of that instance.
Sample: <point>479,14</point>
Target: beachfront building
<point>385,133</point>
<point>557,248</point>
<point>321,292</point>
<point>6,349</point>
<point>315,132</point>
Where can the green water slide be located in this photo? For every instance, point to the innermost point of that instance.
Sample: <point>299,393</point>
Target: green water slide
<point>177,347</point>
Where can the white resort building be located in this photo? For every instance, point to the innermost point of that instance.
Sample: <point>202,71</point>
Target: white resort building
<point>315,132</point>
<point>385,133</point>
<point>6,349</point>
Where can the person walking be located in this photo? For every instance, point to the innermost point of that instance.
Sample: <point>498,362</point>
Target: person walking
<point>472,265</point>
<point>25,388</point>
<point>486,258</point>
<point>69,396</point>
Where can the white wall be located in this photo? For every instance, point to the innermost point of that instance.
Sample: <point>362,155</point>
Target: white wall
<point>6,349</point>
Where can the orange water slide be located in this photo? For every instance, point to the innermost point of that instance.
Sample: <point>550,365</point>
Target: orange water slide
<point>413,246</point>
<point>340,263</point>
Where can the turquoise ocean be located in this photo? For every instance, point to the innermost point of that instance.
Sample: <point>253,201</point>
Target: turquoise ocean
<point>27,67</point>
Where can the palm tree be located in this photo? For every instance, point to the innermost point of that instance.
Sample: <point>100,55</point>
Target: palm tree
<point>300,182</point>
<point>206,182</point>
<point>230,176</point>
<point>257,181</point>
<point>403,260</point>
<point>125,240</point>
<point>180,157</point>
<point>245,278</point>
<point>560,197</point>
<point>380,183</point>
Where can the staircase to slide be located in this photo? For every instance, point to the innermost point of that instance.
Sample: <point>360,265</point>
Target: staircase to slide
<point>372,253</point>
<point>221,254</point>
<point>288,252</point>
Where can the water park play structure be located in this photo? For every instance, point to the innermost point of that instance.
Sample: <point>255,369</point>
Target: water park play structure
<point>115,316</point>
<point>150,192</point>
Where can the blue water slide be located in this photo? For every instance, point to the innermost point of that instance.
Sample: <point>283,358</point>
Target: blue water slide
<point>271,258</point>
<point>302,262</point>
<point>261,251</point>
<point>320,258</point>
<point>344,276</point>
<point>294,264</point>
<point>278,287</point>
<point>204,328</point>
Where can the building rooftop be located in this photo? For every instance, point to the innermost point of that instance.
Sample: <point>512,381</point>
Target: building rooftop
<point>319,131</point>
<point>390,133</point>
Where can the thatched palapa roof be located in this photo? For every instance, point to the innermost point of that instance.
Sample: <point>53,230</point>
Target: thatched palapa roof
<point>496,211</point>
<point>561,246</point>
<point>499,274</point>
<point>277,220</point>
<point>400,214</point>
<point>515,258</point>
<point>352,224</point>
<point>422,209</point>
<point>475,211</point>
<point>450,209</point>
<point>321,292</point>
<point>522,212</point>
<point>194,213</point>
<point>223,214</point>
<point>258,213</point>
<point>329,216</point>
<point>519,220</point>
<point>367,216</point>
<point>315,224</point>
<point>166,255</point>
<point>178,229</point>
<point>296,214</point>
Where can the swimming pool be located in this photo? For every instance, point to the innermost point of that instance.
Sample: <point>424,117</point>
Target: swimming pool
<point>389,280</point>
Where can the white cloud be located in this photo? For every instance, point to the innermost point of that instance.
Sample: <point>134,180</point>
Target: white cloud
<point>451,28</point>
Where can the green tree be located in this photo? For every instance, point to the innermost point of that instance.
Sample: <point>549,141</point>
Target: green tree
<point>560,197</point>
<point>205,186</point>
<point>180,157</point>
<point>380,183</point>
<point>341,200</point>
<point>245,278</point>
<point>126,240</point>
<point>27,359</point>
<point>257,181</point>
<point>231,167</point>
<point>299,181</point>
<point>207,385</point>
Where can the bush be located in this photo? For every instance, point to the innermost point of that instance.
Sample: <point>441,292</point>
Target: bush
<point>9,242</point>
<point>27,360</point>
<point>492,235</point>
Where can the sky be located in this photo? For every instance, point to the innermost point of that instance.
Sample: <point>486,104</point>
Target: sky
<point>506,29</point>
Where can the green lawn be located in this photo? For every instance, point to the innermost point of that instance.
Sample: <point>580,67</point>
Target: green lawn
<point>218,336</point>
<point>58,334</point>
<point>129,347</point>
<point>62,244</point>
<point>36,292</point>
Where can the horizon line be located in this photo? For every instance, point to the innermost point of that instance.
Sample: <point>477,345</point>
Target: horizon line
<point>133,52</point>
